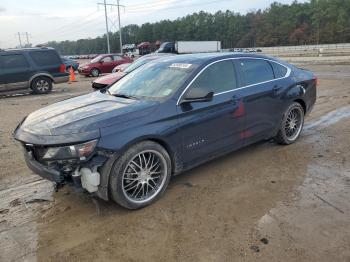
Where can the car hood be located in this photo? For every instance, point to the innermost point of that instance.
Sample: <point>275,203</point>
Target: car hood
<point>110,79</point>
<point>84,114</point>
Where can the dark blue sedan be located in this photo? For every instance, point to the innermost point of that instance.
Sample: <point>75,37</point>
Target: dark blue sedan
<point>124,143</point>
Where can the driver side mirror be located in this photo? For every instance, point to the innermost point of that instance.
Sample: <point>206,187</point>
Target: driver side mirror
<point>197,95</point>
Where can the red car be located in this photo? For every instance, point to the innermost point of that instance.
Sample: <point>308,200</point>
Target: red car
<point>103,64</point>
<point>107,80</point>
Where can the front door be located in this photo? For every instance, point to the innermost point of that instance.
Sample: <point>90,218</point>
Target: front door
<point>210,128</point>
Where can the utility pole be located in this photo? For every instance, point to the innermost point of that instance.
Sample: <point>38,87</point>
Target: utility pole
<point>108,46</point>
<point>27,38</point>
<point>20,41</point>
<point>106,19</point>
<point>120,30</point>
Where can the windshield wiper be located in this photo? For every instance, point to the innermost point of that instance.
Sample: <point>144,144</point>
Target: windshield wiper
<point>124,96</point>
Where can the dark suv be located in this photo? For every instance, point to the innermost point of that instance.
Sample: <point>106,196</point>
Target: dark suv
<point>35,68</point>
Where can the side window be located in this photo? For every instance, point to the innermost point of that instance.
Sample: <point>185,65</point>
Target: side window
<point>217,78</point>
<point>280,71</point>
<point>45,58</point>
<point>107,59</point>
<point>117,58</point>
<point>256,71</point>
<point>13,61</point>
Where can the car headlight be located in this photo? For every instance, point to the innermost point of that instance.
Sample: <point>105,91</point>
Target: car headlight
<point>79,151</point>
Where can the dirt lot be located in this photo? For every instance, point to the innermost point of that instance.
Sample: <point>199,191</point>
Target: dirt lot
<point>263,203</point>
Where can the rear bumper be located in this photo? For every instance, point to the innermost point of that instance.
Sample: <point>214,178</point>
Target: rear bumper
<point>41,170</point>
<point>61,79</point>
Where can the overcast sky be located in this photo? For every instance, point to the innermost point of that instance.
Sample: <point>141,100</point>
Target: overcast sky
<point>46,20</point>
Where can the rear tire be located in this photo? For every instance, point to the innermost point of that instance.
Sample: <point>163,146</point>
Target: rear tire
<point>291,125</point>
<point>41,85</point>
<point>140,176</point>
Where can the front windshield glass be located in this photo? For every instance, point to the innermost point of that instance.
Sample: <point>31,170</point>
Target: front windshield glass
<point>155,80</point>
<point>96,59</point>
<point>139,62</point>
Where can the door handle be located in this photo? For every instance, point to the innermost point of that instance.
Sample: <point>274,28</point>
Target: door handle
<point>234,99</point>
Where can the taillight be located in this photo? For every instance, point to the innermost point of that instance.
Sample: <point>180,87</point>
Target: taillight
<point>62,68</point>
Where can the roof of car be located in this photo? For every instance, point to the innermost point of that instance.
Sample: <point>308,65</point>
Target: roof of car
<point>203,58</point>
<point>27,49</point>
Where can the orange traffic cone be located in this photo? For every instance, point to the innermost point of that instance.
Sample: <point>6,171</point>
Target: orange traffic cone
<point>71,75</point>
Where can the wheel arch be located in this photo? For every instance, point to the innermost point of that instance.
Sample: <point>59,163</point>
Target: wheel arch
<point>103,191</point>
<point>40,75</point>
<point>99,70</point>
<point>302,103</point>
<point>156,139</point>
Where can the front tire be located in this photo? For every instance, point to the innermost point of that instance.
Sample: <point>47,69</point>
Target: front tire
<point>291,125</point>
<point>95,72</point>
<point>140,176</point>
<point>41,85</point>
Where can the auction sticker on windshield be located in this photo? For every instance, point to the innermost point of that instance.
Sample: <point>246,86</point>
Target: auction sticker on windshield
<point>180,65</point>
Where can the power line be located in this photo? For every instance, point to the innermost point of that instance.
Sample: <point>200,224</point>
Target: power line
<point>63,27</point>
<point>143,10</point>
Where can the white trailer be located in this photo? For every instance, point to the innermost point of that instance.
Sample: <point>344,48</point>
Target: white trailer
<point>187,47</point>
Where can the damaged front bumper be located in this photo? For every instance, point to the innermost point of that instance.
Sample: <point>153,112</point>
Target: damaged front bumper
<point>89,174</point>
<point>43,171</point>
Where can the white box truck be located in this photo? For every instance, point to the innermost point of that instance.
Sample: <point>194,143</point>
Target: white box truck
<point>189,47</point>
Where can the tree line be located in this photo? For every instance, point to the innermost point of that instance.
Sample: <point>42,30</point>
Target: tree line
<point>313,22</point>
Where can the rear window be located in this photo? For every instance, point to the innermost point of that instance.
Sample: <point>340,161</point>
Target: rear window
<point>256,71</point>
<point>279,70</point>
<point>45,58</point>
<point>13,61</point>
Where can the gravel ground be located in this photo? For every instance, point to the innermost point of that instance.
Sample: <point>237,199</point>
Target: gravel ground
<point>263,203</point>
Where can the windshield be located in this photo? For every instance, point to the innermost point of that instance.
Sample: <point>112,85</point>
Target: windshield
<point>96,59</point>
<point>155,80</point>
<point>136,64</point>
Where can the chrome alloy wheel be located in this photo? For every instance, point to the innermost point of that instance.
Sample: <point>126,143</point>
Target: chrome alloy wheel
<point>144,176</point>
<point>42,85</point>
<point>294,123</point>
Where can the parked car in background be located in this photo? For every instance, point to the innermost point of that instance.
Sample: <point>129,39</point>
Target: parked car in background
<point>103,64</point>
<point>144,48</point>
<point>107,80</point>
<point>120,67</point>
<point>125,142</point>
<point>70,63</point>
<point>34,68</point>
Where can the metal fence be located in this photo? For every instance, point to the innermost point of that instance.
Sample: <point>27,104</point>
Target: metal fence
<point>305,47</point>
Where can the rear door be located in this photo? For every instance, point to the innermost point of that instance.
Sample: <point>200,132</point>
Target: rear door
<point>15,71</point>
<point>261,100</point>
<point>118,60</point>
<point>210,128</point>
<point>47,61</point>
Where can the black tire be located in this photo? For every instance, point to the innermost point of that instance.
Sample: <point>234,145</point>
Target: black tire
<point>285,135</point>
<point>95,72</point>
<point>41,85</point>
<point>120,173</point>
